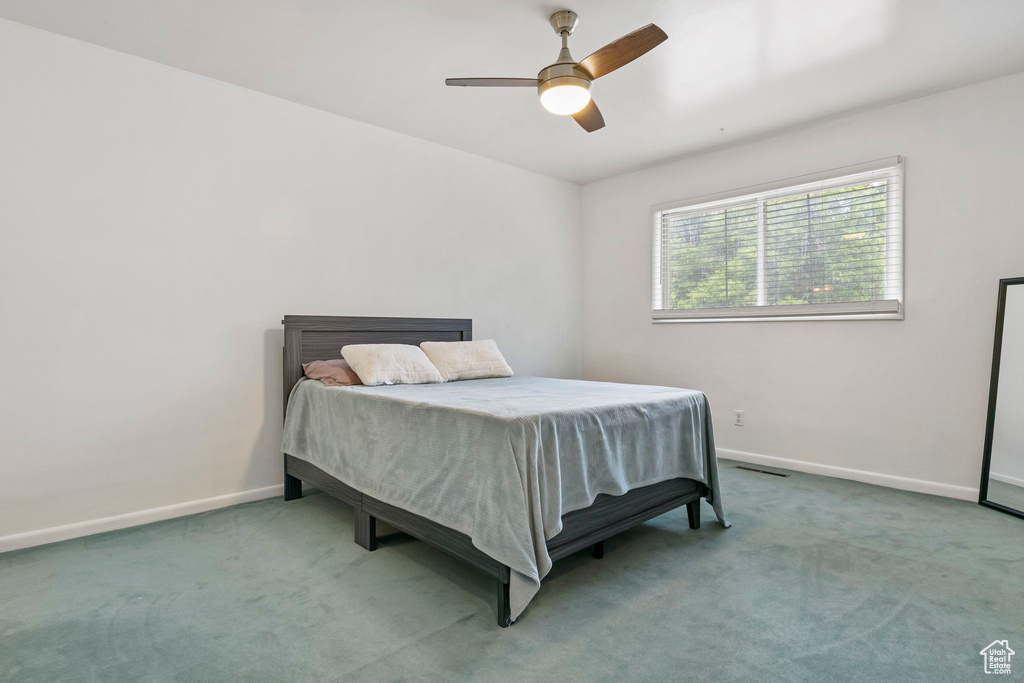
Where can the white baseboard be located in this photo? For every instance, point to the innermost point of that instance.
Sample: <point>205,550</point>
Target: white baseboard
<point>94,526</point>
<point>1006,479</point>
<point>889,480</point>
<point>62,533</point>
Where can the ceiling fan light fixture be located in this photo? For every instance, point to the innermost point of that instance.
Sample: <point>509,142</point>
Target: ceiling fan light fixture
<point>565,95</point>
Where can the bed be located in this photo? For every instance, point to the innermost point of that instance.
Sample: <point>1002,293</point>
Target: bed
<point>506,474</point>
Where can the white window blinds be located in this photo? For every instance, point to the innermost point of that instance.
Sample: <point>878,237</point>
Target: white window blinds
<point>827,247</point>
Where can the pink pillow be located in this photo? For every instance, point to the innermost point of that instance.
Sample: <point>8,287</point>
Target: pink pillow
<point>333,373</point>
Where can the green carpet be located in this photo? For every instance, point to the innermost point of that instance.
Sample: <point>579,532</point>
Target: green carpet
<point>818,580</point>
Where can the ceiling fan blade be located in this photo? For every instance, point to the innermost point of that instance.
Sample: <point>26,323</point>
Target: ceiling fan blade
<point>623,51</point>
<point>493,82</point>
<point>589,117</point>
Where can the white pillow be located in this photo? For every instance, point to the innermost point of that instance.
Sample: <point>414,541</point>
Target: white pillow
<point>467,360</point>
<point>390,364</point>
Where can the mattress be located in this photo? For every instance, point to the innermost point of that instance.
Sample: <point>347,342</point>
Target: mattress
<point>502,460</point>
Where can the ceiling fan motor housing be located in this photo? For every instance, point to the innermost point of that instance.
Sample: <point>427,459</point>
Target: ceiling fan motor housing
<point>561,74</point>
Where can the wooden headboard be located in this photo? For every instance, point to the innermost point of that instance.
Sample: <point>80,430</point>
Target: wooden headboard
<point>320,337</point>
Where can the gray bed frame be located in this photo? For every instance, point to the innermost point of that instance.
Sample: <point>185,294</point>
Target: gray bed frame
<point>308,338</point>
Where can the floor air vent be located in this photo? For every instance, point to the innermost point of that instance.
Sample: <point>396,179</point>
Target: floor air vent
<point>751,469</point>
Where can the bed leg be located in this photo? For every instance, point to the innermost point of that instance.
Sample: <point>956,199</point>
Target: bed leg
<point>693,513</point>
<point>366,529</point>
<point>599,550</point>
<point>504,609</point>
<point>292,487</point>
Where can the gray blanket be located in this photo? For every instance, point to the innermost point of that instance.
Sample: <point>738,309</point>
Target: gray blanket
<point>501,460</point>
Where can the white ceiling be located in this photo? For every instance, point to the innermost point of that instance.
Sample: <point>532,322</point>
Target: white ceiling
<point>749,67</point>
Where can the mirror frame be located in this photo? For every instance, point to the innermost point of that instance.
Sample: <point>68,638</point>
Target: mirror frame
<point>990,426</point>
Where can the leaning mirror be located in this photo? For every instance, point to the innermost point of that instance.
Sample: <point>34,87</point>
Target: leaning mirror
<point>1002,472</point>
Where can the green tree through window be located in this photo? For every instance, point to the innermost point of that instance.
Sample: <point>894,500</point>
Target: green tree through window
<point>834,242</point>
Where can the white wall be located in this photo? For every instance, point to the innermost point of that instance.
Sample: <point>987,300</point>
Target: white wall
<point>890,399</point>
<point>154,227</point>
<point>1008,437</point>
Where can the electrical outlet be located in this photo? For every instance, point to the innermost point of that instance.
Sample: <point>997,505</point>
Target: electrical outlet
<point>738,414</point>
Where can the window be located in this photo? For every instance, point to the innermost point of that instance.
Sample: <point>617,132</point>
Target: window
<point>829,246</point>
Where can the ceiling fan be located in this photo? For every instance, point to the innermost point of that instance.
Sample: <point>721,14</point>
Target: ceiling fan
<point>564,87</point>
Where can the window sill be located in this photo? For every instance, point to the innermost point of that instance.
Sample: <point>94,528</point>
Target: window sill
<point>783,318</point>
